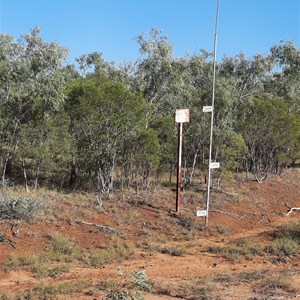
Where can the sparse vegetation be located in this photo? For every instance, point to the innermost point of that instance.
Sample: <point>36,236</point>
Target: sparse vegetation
<point>20,207</point>
<point>274,285</point>
<point>285,246</point>
<point>289,230</point>
<point>48,291</point>
<point>132,287</point>
<point>150,228</point>
<point>200,288</point>
<point>115,251</point>
<point>102,256</point>
<point>286,239</point>
<point>16,262</point>
<point>162,288</point>
<point>173,251</point>
<point>44,270</point>
<point>242,247</point>
<point>61,249</point>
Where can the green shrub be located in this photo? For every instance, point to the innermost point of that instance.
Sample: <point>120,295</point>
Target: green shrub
<point>285,245</point>
<point>20,208</point>
<point>215,249</point>
<point>289,230</point>
<point>242,247</point>
<point>48,291</point>
<point>62,249</point>
<point>101,257</point>
<point>140,280</point>
<point>16,262</point>
<point>43,270</point>
<point>132,289</point>
<point>117,250</point>
<point>271,285</point>
<point>173,251</point>
<point>122,250</point>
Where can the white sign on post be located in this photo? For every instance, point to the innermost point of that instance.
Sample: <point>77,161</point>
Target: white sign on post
<point>207,109</point>
<point>214,165</point>
<point>201,213</point>
<point>182,115</point>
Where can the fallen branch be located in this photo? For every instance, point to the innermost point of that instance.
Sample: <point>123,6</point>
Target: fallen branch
<point>4,239</point>
<point>292,210</point>
<point>105,228</point>
<point>228,214</point>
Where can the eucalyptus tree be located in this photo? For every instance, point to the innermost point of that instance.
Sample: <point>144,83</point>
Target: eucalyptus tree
<point>271,134</point>
<point>92,65</point>
<point>285,82</point>
<point>166,136</point>
<point>157,75</point>
<point>32,85</point>
<point>105,118</point>
<point>43,150</point>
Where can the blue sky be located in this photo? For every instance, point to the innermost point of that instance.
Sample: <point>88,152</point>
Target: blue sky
<point>109,26</point>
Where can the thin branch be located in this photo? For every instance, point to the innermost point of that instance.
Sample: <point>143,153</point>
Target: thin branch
<point>228,214</point>
<point>105,228</point>
<point>4,239</point>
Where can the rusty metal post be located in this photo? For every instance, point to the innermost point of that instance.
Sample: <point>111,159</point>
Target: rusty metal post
<point>181,116</point>
<point>179,152</point>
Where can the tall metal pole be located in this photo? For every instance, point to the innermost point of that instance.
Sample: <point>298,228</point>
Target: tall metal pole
<point>212,114</point>
<point>178,187</point>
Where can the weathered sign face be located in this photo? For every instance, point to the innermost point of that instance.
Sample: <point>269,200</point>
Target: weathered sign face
<point>182,116</point>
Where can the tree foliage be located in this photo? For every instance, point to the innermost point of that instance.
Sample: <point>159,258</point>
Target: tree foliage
<point>101,126</point>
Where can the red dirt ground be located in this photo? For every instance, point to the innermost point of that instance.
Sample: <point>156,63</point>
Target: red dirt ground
<point>245,210</point>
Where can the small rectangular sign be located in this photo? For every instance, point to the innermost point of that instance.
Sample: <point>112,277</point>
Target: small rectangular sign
<point>207,108</point>
<point>182,115</point>
<point>214,165</point>
<point>201,213</point>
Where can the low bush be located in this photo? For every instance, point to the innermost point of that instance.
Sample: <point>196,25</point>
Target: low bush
<point>114,251</point>
<point>20,208</point>
<point>173,251</point>
<point>16,262</point>
<point>243,247</point>
<point>131,289</point>
<point>289,230</point>
<point>50,291</point>
<point>285,246</point>
<point>275,286</point>
<point>287,239</point>
<point>62,249</point>
<point>101,257</point>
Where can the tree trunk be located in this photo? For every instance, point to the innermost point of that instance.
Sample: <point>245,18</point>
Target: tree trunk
<point>111,174</point>
<point>171,172</point>
<point>25,175</point>
<point>73,173</point>
<point>4,174</point>
<point>194,165</point>
<point>37,174</point>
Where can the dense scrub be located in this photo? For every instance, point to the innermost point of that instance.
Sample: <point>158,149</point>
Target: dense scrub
<point>101,126</point>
